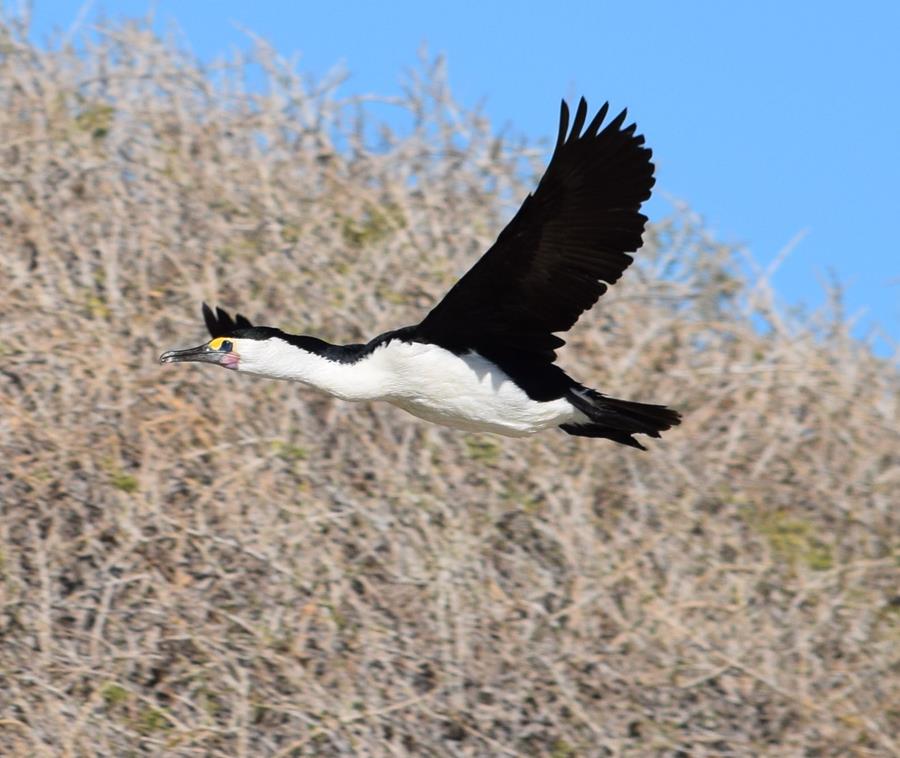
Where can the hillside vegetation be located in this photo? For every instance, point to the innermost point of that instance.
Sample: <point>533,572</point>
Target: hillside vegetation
<point>194,562</point>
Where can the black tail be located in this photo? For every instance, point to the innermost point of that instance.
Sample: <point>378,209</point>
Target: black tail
<point>618,419</point>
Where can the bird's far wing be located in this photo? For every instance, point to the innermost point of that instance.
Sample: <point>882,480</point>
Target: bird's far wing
<point>220,324</point>
<point>568,241</point>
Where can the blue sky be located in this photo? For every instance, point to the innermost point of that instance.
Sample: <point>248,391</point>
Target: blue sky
<point>771,119</point>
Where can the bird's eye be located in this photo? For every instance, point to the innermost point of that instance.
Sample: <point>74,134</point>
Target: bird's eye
<point>221,345</point>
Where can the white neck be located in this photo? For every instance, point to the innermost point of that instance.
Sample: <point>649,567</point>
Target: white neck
<point>278,359</point>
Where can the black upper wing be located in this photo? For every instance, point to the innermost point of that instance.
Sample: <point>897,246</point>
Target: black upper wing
<point>568,241</point>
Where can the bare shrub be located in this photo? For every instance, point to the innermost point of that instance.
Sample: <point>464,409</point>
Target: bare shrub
<point>196,563</point>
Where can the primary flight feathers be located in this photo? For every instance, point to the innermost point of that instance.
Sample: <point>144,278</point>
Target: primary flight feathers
<point>570,238</point>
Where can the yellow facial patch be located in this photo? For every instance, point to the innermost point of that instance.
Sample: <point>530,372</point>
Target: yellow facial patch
<point>216,344</point>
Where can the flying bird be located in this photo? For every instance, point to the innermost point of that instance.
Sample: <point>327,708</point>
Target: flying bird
<point>484,358</point>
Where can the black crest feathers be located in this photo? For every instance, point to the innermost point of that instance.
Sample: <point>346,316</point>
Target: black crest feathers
<point>220,324</point>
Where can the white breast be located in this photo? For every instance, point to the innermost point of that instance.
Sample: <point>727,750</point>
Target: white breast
<point>465,392</point>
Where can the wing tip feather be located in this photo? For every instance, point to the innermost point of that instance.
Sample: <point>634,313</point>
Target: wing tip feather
<point>578,123</point>
<point>563,125</point>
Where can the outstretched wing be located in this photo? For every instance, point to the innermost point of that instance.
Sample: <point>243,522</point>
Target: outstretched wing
<point>220,324</point>
<point>568,241</point>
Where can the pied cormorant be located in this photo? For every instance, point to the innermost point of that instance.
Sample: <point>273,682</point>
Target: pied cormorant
<point>483,358</point>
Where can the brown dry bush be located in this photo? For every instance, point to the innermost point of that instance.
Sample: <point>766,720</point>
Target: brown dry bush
<point>198,563</point>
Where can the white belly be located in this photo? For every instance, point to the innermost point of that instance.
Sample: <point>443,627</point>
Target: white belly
<point>465,392</point>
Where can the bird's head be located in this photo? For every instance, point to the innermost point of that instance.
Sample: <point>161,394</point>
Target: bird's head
<point>235,343</point>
